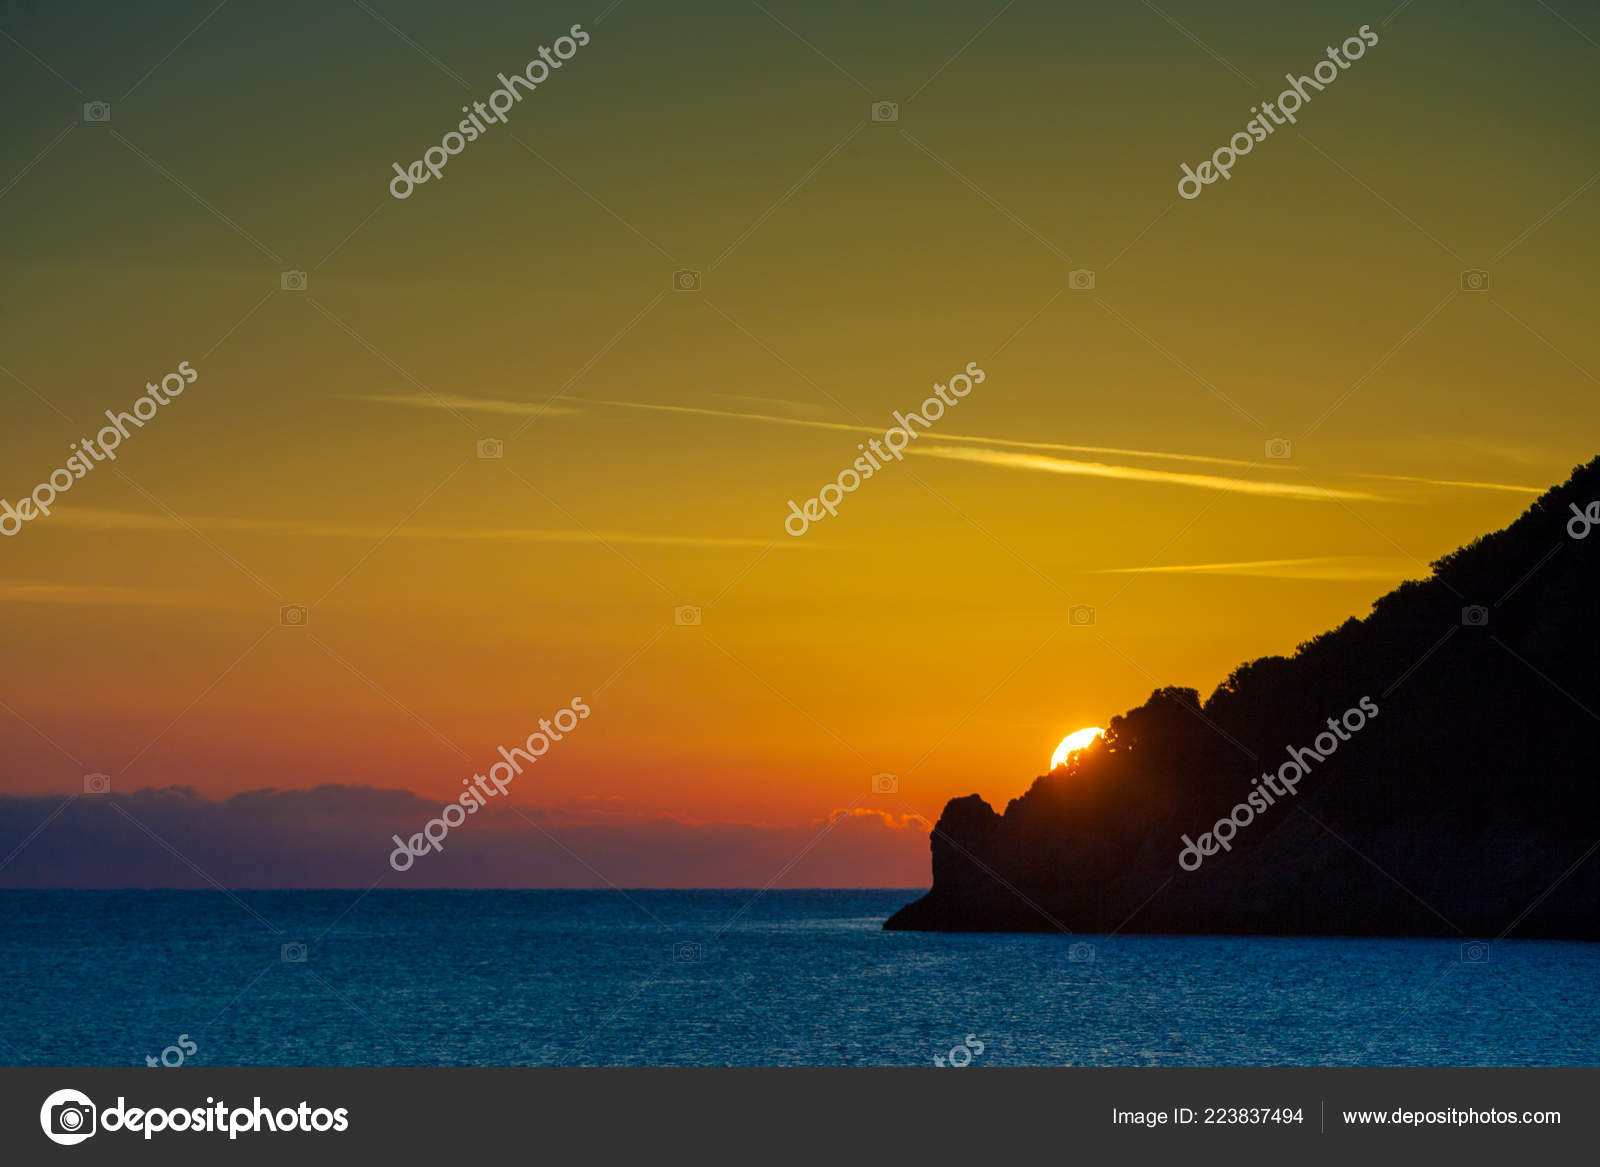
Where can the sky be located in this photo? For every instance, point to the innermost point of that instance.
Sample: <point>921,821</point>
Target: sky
<point>1107,512</point>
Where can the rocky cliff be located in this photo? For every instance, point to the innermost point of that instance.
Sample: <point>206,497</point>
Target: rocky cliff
<point>1466,803</point>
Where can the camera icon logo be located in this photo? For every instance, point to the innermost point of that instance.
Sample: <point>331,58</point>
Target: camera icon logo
<point>1080,280</point>
<point>688,952</point>
<point>686,616</point>
<point>885,784</point>
<point>1080,615</point>
<point>292,281</point>
<point>67,1117</point>
<point>294,953</point>
<point>97,783</point>
<point>491,448</point>
<point>1475,616</point>
<point>293,616</point>
<point>97,111</point>
<point>1474,279</point>
<point>1475,952</point>
<point>885,111</point>
<point>1279,448</point>
<point>686,280</point>
<point>1081,953</point>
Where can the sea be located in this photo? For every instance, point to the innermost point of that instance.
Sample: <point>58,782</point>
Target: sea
<point>739,978</point>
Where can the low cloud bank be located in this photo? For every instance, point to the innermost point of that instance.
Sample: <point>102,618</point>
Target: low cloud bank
<point>340,836</point>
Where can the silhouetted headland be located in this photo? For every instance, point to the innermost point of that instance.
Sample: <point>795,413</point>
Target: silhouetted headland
<point>1467,806</point>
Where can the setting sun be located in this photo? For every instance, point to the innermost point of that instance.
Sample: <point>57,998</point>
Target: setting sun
<point>1074,741</point>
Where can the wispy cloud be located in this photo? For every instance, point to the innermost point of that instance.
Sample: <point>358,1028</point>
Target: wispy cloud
<point>801,409</point>
<point>1045,465</point>
<point>877,431</point>
<point>461,404</point>
<point>454,403</point>
<point>1454,482</point>
<point>910,821</point>
<point>113,520</point>
<point>1326,567</point>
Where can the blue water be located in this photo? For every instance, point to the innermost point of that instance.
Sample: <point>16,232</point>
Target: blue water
<point>712,978</point>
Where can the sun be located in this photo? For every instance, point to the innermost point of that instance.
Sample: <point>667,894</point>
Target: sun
<point>1074,741</point>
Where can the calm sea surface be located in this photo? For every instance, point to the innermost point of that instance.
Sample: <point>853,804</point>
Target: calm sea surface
<point>730,978</point>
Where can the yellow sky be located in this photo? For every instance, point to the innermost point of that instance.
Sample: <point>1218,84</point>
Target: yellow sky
<point>1120,454</point>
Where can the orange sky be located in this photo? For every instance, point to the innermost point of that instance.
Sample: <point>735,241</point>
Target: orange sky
<point>1115,456</point>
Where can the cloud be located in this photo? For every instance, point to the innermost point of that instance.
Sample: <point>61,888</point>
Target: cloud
<point>1098,469</point>
<point>455,403</point>
<point>113,520</point>
<point>877,431</point>
<point>1139,474</point>
<point>1454,482</point>
<point>1327,567</point>
<point>340,836</point>
<point>794,408</point>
